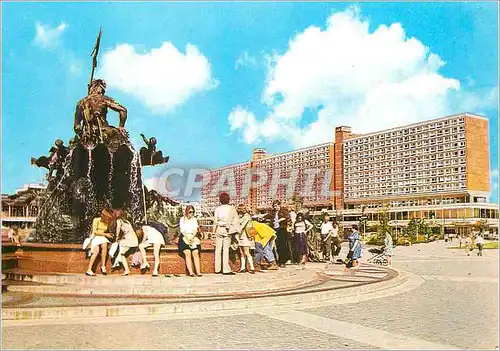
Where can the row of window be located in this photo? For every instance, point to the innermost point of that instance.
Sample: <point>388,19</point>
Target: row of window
<point>433,216</point>
<point>379,175</point>
<point>16,211</point>
<point>418,161</point>
<point>409,131</point>
<point>413,202</point>
<point>390,167</point>
<point>443,152</point>
<point>413,141</point>
<point>419,181</point>
<point>406,190</point>
<point>316,152</point>
<point>405,151</point>
<point>360,188</point>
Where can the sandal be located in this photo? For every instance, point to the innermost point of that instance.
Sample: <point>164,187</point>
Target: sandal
<point>145,268</point>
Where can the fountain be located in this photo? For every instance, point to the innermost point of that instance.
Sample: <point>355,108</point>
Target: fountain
<point>100,169</point>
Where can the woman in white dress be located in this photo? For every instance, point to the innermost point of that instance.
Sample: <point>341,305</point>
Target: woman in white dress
<point>189,243</point>
<point>100,235</point>
<point>151,236</point>
<point>126,238</point>
<point>244,241</point>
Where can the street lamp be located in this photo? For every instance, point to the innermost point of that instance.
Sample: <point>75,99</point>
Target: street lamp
<point>363,221</point>
<point>396,223</point>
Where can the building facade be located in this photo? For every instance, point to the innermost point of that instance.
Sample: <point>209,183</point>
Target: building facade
<point>21,208</point>
<point>437,169</point>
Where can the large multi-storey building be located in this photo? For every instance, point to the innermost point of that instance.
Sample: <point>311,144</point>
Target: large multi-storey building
<point>437,169</point>
<point>231,179</point>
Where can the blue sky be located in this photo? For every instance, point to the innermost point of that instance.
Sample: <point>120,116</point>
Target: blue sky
<point>254,75</point>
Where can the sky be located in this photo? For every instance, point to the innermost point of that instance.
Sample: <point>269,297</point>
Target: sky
<point>212,81</point>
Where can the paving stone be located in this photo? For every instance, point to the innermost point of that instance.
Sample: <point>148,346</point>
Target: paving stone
<point>455,313</point>
<point>238,332</point>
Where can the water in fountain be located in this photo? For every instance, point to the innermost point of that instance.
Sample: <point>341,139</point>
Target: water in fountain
<point>95,177</point>
<point>136,190</point>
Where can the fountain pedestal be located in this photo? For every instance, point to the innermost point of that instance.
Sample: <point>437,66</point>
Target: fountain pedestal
<point>69,258</point>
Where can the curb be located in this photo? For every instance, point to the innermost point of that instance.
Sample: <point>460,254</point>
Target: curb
<point>295,298</point>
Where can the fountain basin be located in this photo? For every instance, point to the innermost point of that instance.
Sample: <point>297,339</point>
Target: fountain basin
<point>69,258</point>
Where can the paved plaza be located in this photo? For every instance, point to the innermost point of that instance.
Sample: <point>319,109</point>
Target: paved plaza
<point>448,300</point>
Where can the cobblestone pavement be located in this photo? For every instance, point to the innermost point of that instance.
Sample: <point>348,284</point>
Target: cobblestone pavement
<point>455,306</point>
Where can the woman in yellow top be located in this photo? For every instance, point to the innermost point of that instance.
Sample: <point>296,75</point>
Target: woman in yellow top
<point>100,240</point>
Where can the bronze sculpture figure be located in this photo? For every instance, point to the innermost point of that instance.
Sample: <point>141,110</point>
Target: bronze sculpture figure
<point>54,161</point>
<point>149,155</point>
<point>91,123</point>
<point>100,170</point>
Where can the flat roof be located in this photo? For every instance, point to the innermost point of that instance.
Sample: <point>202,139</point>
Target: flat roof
<point>416,124</point>
<point>296,150</point>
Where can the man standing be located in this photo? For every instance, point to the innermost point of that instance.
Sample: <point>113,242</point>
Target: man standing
<point>279,218</point>
<point>226,224</point>
<point>290,239</point>
<point>326,234</point>
<point>479,244</point>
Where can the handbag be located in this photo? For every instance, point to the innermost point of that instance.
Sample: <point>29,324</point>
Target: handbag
<point>234,243</point>
<point>191,240</point>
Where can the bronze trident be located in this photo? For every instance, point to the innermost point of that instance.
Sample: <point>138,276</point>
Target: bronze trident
<point>94,54</point>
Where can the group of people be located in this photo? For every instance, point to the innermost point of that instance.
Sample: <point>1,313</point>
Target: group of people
<point>266,242</point>
<point>112,226</point>
<point>470,243</point>
<point>278,238</point>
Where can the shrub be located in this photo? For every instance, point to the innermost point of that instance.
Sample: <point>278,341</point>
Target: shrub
<point>375,240</point>
<point>402,241</point>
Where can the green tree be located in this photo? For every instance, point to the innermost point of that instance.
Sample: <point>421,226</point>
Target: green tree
<point>481,225</point>
<point>298,201</point>
<point>412,230</point>
<point>423,228</point>
<point>383,226</point>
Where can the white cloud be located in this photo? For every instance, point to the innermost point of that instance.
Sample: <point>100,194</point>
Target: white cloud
<point>367,80</point>
<point>240,118</point>
<point>162,78</point>
<point>245,59</point>
<point>47,37</point>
